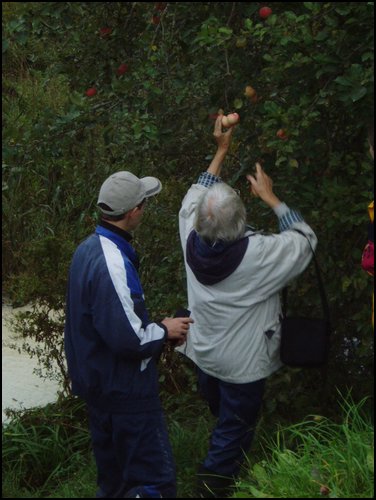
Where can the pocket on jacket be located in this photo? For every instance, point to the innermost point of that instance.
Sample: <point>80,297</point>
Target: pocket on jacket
<point>272,337</point>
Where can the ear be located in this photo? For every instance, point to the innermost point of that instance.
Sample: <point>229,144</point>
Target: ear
<point>128,215</point>
<point>132,213</point>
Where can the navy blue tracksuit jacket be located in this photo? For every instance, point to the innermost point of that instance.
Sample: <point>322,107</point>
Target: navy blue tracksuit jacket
<point>111,347</point>
<point>112,350</point>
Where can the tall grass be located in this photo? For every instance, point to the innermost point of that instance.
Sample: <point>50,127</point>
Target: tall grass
<point>46,454</point>
<point>189,425</point>
<point>316,458</point>
<point>42,447</point>
<point>46,451</point>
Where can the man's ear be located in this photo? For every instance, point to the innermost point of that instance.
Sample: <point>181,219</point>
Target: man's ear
<point>130,214</point>
<point>127,215</point>
<point>134,210</point>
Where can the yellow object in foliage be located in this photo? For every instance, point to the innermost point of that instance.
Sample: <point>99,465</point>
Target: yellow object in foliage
<point>370,210</point>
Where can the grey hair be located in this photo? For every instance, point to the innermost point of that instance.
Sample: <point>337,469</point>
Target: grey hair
<point>220,215</point>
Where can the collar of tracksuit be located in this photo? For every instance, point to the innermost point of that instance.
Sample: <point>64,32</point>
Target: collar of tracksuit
<point>121,239</point>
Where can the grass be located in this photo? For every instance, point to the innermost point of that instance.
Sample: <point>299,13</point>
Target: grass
<point>43,447</point>
<point>189,430</point>
<point>46,454</point>
<point>316,458</point>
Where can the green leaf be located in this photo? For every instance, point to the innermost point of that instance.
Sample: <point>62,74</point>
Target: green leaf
<point>22,37</point>
<point>260,474</point>
<point>5,45</point>
<point>272,20</point>
<point>323,35</point>
<point>343,10</point>
<point>367,56</point>
<point>309,5</point>
<point>343,81</point>
<point>268,58</point>
<point>358,93</point>
<point>225,31</point>
<point>76,98</point>
<point>248,24</point>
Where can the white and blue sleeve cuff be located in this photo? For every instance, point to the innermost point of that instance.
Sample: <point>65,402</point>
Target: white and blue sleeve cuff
<point>286,216</point>
<point>207,179</point>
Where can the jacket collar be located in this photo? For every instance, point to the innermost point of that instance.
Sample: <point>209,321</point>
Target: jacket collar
<point>120,238</point>
<point>124,234</point>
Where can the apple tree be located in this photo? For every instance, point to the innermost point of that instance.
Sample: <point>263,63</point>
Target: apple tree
<point>94,87</point>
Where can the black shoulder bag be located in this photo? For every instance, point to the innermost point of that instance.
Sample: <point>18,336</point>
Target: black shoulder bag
<point>305,341</point>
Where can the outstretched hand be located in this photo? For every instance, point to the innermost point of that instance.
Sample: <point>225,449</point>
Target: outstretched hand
<point>223,138</point>
<point>223,141</point>
<point>262,187</point>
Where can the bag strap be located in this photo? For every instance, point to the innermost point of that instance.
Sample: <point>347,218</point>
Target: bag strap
<point>324,300</point>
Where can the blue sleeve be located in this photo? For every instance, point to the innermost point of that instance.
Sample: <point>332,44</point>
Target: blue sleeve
<point>114,311</point>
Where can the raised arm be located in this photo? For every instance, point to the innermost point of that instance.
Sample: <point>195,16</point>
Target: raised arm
<point>223,140</point>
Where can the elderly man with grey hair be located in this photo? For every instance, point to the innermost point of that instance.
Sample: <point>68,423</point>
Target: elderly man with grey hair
<point>234,278</point>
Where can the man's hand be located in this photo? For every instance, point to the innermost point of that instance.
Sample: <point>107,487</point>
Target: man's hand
<point>177,329</point>
<point>262,187</point>
<point>223,141</point>
<point>223,138</point>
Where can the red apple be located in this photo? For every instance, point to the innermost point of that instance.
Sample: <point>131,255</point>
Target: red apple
<point>265,12</point>
<point>160,6</point>
<point>233,118</point>
<point>122,69</point>
<point>105,32</point>
<point>155,20</point>
<point>281,133</point>
<point>91,92</point>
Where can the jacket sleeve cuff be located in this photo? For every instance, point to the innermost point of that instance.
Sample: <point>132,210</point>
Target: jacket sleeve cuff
<point>164,328</point>
<point>286,216</point>
<point>207,179</point>
<point>281,210</point>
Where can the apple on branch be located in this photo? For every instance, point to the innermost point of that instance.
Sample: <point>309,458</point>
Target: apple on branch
<point>265,12</point>
<point>122,69</point>
<point>91,92</point>
<point>281,133</point>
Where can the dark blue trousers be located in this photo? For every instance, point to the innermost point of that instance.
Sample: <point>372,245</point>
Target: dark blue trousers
<point>237,407</point>
<point>132,450</point>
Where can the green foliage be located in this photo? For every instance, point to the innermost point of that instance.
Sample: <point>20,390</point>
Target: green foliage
<point>311,64</point>
<point>316,458</point>
<point>46,452</point>
<point>189,425</point>
<point>43,446</point>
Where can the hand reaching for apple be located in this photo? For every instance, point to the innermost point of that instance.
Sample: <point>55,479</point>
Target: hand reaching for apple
<point>261,185</point>
<point>223,138</point>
